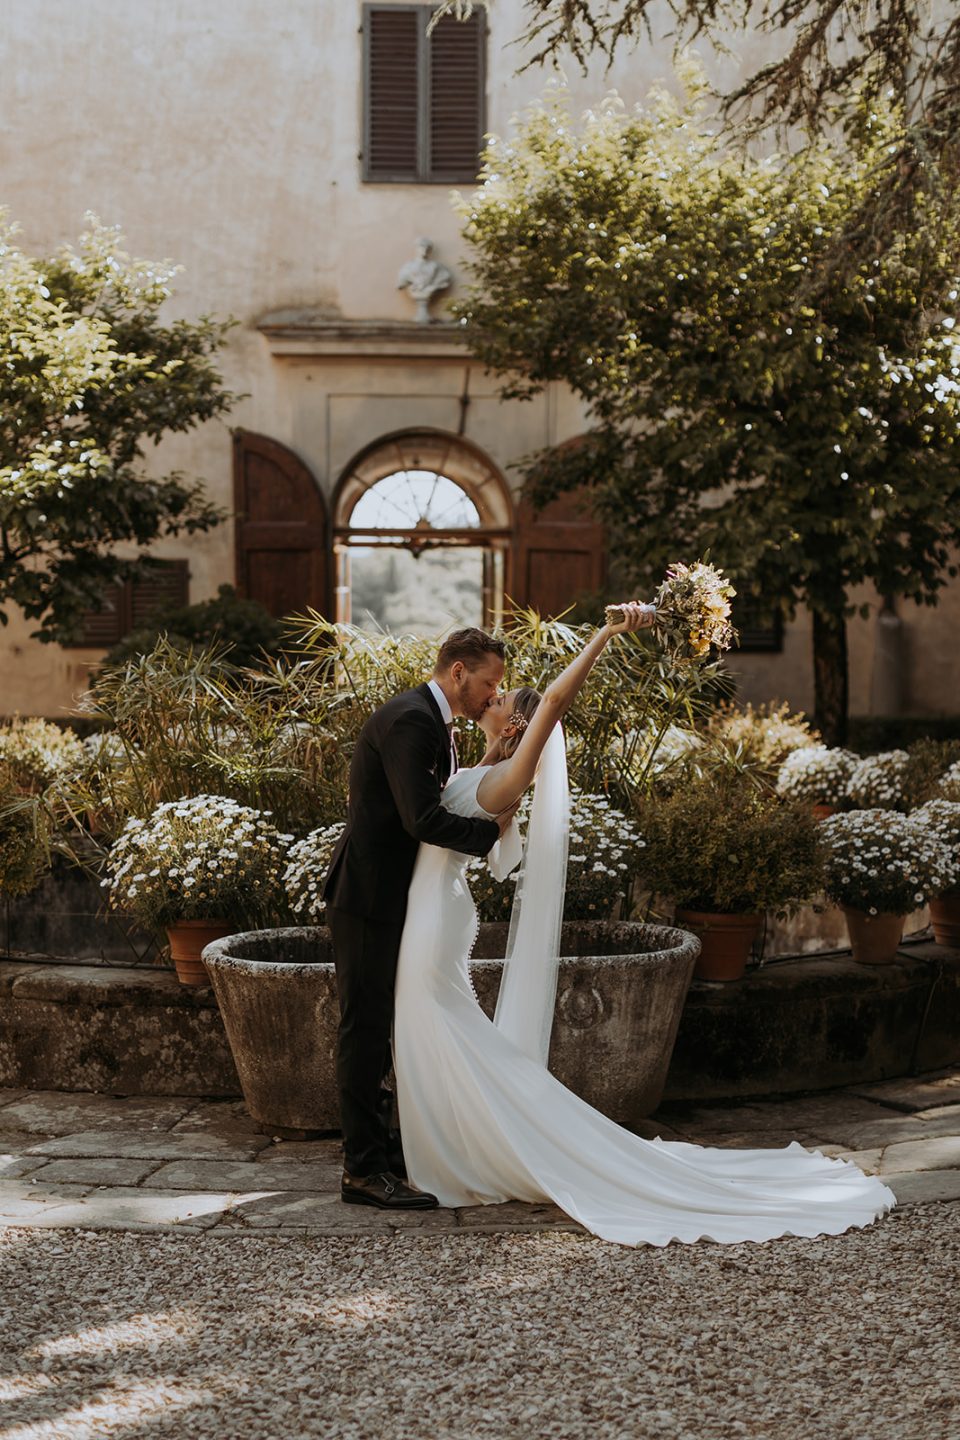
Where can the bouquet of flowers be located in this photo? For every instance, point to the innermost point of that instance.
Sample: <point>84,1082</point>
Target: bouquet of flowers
<point>207,858</point>
<point>307,864</point>
<point>880,860</point>
<point>878,782</point>
<point>692,612</point>
<point>818,774</point>
<point>601,864</point>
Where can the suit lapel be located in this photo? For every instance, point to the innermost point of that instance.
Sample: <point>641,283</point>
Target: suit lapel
<point>443,738</point>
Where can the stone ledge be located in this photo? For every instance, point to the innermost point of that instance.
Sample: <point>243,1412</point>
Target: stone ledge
<point>802,1025</point>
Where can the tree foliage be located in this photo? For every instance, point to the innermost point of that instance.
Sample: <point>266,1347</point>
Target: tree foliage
<point>826,57</point>
<point>805,434</point>
<point>89,376</point>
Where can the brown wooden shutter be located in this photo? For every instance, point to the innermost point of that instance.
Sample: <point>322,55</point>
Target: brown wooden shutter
<point>456,109</point>
<point>128,604</point>
<point>165,587</point>
<point>281,528</point>
<point>560,553</point>
<point>391,150</point>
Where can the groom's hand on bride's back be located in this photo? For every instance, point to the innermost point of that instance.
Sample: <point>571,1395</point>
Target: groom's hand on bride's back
<point>505,816</point>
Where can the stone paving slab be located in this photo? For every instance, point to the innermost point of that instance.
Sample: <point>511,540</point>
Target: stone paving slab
<point>161,1146</point>
<point>49,1112</point>
<point>926,1186</point>
<point>237,1175</point>
<point>141,1164</point>
<point>913,1094</point>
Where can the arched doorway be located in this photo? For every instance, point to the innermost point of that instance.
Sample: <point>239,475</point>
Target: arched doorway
<point>423,527</point>
<point>282,553</point>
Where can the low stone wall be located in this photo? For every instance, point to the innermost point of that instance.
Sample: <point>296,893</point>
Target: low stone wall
<point>805,1024</point>
<point>111,1030</point>
<point>811,1024</point>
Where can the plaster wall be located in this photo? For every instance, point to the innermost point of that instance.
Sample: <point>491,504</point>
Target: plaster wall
<point>226,134</point>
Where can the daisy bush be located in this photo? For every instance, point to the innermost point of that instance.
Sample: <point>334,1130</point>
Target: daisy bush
<point>37,753</point>
<point>307,863</point>
<point>817,774</point>
<point>761,737</point>
<point>943,818</point>
<point>882,861</point>
<point>879,781</point>
<point>601,865</point>
<point>205,858</point>
<point>950,783</point>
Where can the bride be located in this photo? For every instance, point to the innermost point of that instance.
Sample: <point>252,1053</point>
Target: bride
<point>482,1119</point>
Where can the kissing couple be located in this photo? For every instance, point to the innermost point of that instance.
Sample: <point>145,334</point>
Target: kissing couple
<point>482,1119</point>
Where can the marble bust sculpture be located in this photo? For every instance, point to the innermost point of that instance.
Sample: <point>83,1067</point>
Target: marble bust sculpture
<point>424,277</point>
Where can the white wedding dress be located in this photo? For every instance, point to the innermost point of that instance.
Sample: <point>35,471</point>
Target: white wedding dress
<point>482,1121</point>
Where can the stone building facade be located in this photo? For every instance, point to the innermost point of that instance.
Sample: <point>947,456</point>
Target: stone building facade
<point>290,157</point>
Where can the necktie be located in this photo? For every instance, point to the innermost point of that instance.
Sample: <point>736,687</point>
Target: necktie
<point>454,761</point>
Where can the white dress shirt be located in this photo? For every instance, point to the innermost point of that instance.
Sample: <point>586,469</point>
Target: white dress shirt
<point>447,716</point>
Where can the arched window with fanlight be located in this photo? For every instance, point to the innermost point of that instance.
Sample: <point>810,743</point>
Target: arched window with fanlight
<point>422,536</point>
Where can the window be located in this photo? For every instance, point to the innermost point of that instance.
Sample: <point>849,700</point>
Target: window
<point>128,604</point>
<point>423,95</point>
<point>760,625</point>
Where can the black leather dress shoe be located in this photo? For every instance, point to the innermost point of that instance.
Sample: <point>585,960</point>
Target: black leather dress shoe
<point>385,1191</point>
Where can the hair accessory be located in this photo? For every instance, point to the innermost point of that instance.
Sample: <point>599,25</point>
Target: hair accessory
<point>518,721</point>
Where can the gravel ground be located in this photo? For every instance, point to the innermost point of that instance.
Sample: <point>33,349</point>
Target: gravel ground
<point>482,1337</point>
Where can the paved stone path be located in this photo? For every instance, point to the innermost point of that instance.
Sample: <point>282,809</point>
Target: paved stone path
<point>94,1162</point>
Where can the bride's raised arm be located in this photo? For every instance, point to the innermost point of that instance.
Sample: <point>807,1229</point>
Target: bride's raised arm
<point>508,779</point>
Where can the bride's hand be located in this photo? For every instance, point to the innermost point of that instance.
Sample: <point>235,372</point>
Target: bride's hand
<point>629,616</point>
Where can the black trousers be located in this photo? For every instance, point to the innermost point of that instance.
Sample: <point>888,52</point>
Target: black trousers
<point>365,955</point>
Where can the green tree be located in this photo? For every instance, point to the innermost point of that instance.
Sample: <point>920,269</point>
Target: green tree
<point>805,435</point>
<point>89,375</point>
<point>823,58</point>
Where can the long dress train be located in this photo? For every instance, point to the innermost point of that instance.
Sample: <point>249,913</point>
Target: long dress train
<point>482,1122</point>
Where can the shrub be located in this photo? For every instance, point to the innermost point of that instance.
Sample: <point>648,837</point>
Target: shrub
<point>24,837</point>
<point>880,860</point>
<point>761,737</point>
<point>601,864</point>
<point>929,762</point>
<point>308,861</point>
<point>722,844</point>
<point>878,781</point>
<point>205,858</point>
<point>817,774</point>
<point>243,629</point>
<point>38,752</point>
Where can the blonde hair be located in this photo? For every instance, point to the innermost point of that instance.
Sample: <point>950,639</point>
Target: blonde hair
<point>524,706</point>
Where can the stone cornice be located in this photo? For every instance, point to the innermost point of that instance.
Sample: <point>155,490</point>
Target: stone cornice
<point>311,332</point>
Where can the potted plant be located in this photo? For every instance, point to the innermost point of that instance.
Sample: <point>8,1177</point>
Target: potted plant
<point>726,851</point>
<point>200,869</point>
<point>879,781</point>
<point>602,864</point>
<point>817,775</point>
<point>307,863</point>
<point>880,865</point>
<point>942,818</point>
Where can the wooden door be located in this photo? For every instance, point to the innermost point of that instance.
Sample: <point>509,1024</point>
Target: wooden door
<point>281,528</point>
<point>560,553</point>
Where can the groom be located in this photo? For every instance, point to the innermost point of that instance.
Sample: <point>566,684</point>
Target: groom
<point>403,758</point>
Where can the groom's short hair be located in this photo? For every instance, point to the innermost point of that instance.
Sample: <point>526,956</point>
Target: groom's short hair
<point>471,646</point>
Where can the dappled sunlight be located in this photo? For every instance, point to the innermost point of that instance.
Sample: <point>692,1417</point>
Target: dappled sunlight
<point>125,1407</point>
<point>175,1326</point>
<point>356,1312</point>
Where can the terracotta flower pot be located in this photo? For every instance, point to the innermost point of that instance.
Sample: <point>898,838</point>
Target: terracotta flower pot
<point>187,940</point>
<point>945,919</point>
<point>725,942</point>
<point>823,812</point>
<point>874,939</point>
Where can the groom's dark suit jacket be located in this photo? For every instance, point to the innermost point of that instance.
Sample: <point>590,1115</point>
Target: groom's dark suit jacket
<point>399,767</point>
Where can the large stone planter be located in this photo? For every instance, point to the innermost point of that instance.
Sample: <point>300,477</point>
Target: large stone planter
<point>620,993</point>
